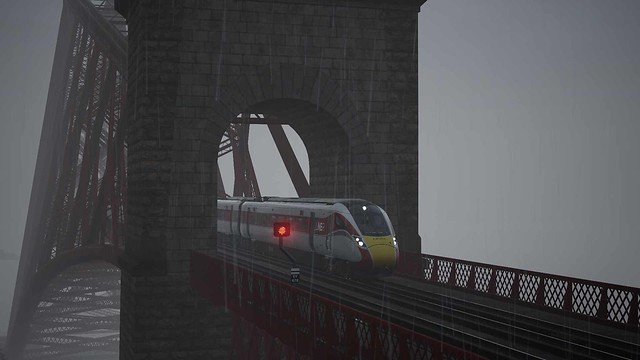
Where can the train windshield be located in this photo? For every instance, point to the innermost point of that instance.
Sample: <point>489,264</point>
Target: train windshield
<point>369,219</point>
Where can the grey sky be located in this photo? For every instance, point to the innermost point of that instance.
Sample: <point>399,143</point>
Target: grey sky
<point>529,120</point>
<point>28,31</point>
<point>529,128</point>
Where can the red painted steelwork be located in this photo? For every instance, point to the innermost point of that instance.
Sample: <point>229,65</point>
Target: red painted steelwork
<point>76,212</point>
<point>247,339</point>
<point>236,140</point>
<point>590,300</point>
<point>245,183</point>
<point>305,323</point>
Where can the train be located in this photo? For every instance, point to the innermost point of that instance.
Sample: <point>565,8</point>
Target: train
<point>352,232</point>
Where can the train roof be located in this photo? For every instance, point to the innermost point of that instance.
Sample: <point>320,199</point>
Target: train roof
<point>328,201</point>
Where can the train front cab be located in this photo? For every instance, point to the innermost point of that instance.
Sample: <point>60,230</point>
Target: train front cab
<point>377,235</point>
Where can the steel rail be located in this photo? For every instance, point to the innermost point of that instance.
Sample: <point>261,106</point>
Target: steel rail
<point>321,285</point>
<point>607,345</point>
<point>360,327</point>
<point>484,319</point>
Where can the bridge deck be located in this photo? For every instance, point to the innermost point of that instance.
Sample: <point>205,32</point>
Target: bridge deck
<point>615,341</point>
<point>489,326</point>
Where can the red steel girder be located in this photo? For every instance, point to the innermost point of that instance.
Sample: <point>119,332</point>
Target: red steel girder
<point>76,113</point>
<point>85,197</point>
<point>79,301</point>
<point>37,286</point>
<point>79,189</point>
<point>246,183</point>
<point>236,140</point>
<point>615,305</point>
<point>305,323</point>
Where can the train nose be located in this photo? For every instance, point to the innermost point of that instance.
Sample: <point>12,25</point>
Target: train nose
<point>383,256</point>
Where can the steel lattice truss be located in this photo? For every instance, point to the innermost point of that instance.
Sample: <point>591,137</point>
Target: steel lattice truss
<point>580,298</point>
<point>67,304</point>
<point>236,140</point>
<point>245,183</point>
<point>79,312</point>
<point>107,10</point>
<point>76,212</point>
<point>77,208</point>
<point>87,206</point>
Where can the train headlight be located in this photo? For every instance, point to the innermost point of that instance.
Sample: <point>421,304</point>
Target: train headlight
<point>395,242</point>
<point>359,241</point>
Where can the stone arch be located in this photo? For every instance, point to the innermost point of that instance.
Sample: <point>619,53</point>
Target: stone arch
<point>311,102</point>
<point>192,66</point>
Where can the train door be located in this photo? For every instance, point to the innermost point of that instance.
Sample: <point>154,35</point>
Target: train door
<point>312,229</point>
<point>341,246</point>
<point>329,237</point>
<point>249,222</point>
<point>319,232</point>
<point>238,227</point>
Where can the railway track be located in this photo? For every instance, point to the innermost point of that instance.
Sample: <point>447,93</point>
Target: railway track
<point>478,328</point>
<point>561,339</point>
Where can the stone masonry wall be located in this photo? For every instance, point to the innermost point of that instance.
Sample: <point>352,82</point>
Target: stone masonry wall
<point>193,66</point>
<point>355,60</point>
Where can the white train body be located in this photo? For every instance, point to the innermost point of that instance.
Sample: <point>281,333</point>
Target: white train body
<point>351,230</point>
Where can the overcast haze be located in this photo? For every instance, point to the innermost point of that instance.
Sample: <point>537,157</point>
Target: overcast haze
<point>28,31</point>
<point>529,132</point>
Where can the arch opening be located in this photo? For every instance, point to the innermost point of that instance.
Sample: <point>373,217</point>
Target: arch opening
<point>284,147</point>
<point>269,168</point>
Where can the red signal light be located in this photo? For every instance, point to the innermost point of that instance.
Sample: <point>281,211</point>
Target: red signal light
<point>281,229</point>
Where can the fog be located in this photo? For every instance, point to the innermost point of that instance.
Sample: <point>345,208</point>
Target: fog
<point>28,31</point>
<point>529,128</point>
<point>528,133</point>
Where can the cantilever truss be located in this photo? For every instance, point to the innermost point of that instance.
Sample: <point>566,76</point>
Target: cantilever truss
<point>236,140</point>
<point>76,213</point>
<point>77,208</point>
<point>79,313</point>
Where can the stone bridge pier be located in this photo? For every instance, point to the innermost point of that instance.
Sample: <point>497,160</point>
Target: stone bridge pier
<point>343,74</point>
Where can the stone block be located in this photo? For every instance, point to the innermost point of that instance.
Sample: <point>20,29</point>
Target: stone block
<point>355,70</point>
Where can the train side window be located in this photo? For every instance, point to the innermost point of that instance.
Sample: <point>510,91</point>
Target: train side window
<point>339,224</point>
